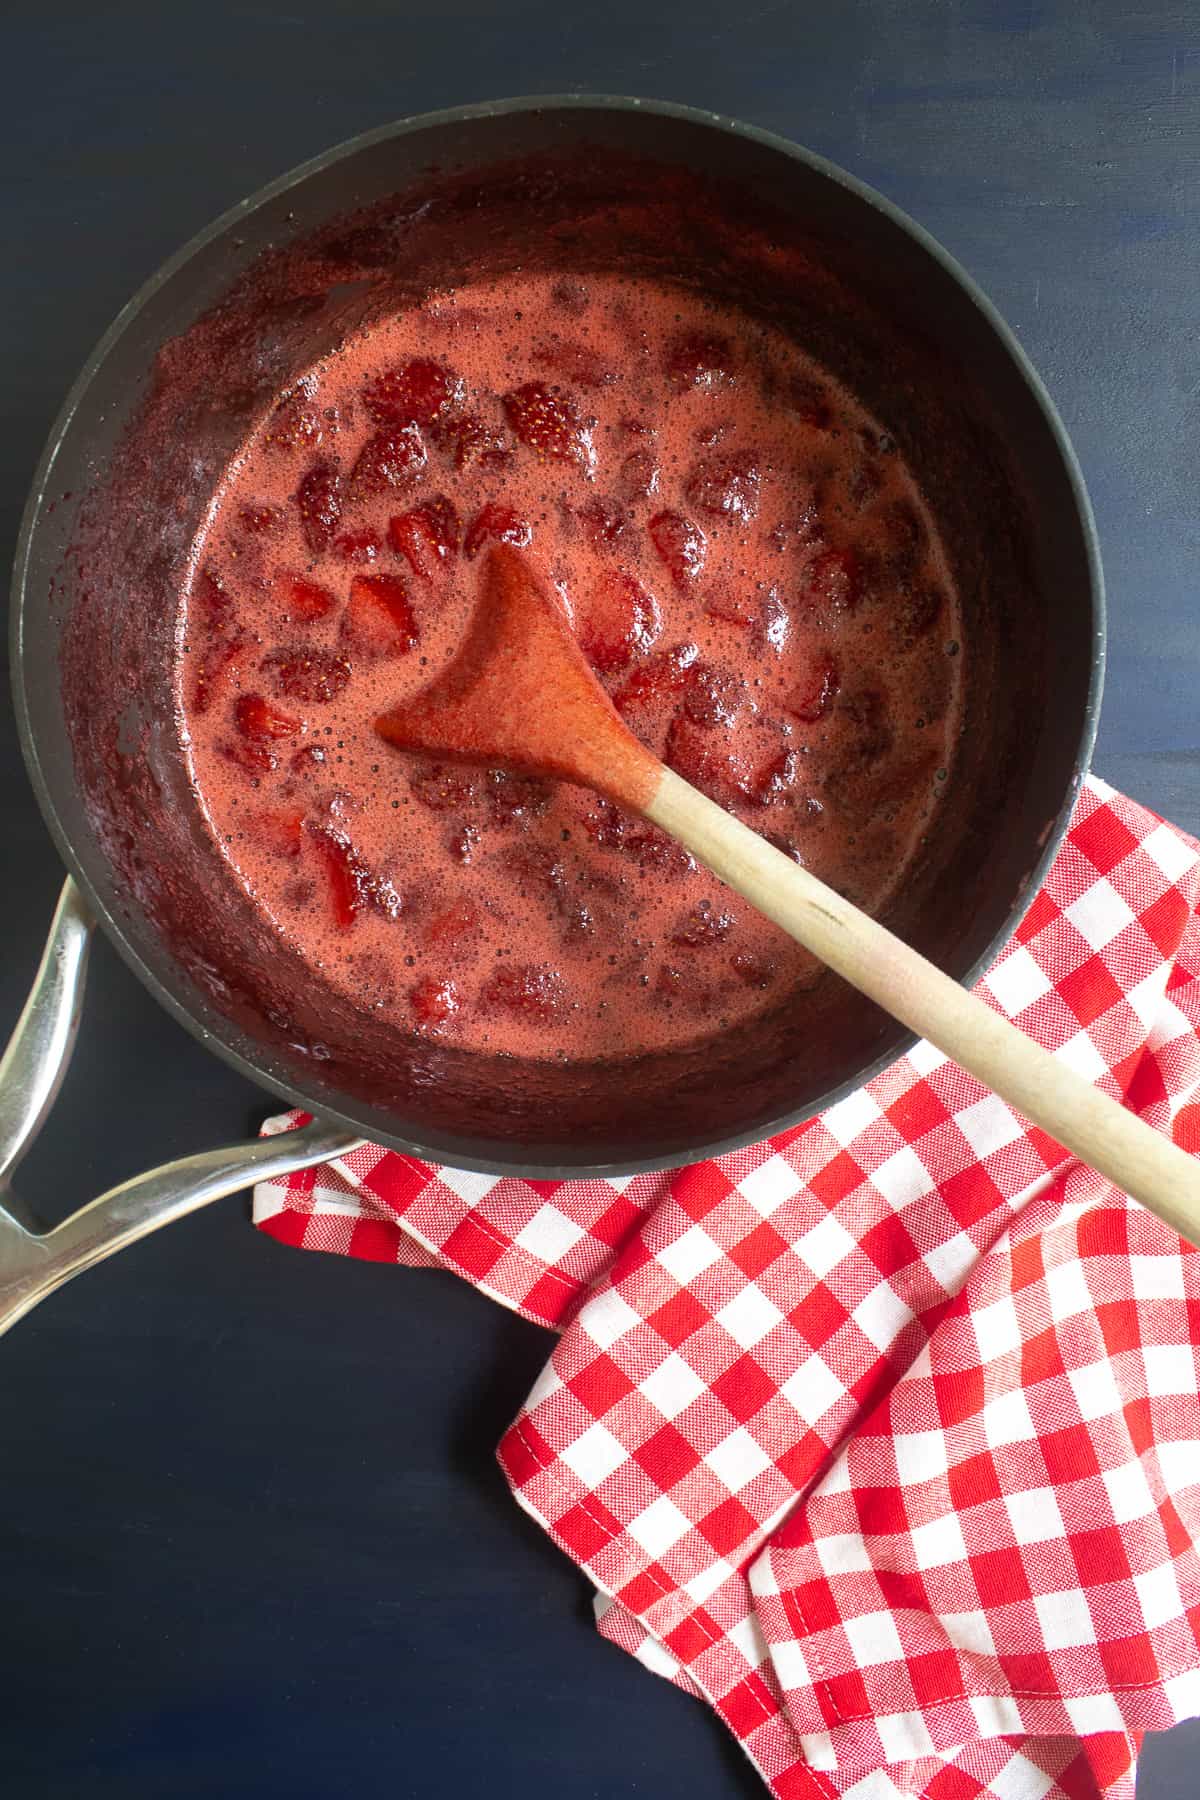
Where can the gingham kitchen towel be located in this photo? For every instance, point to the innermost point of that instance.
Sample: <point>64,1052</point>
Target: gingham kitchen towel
<point>884,1436</point>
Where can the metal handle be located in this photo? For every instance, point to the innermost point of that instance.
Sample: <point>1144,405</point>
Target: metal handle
<point>32,1262</point>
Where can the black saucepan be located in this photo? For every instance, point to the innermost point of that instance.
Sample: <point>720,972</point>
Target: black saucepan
<point>130,468</point>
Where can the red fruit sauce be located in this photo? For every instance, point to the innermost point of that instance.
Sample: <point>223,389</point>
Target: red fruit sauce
<point>749,568</point>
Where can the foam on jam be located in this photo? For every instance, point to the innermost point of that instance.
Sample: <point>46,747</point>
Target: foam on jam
<point>749,569</point>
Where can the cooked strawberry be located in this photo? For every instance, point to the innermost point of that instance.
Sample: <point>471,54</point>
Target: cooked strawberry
<point>577,363</point>
<point>470,442</point>
<point>418,392</point>
<point>681,545</point>
<point>389,461</point>
<point>773,779</point>
<point>460,919</point>
<point>810,403</point>
<point>754,971</point>
<point>255,717</point>
<point>445,787</point>
<point>435,1000</point>
<point>346,873</point>
<point>727,486</point>
<point>528,991</point>
<point>657,681</point>
<point>833,582</point>
<point>309,760</point>
<point>916,610</point>
<point>302,599</point>
<point>303,673</point>
<point>512,799</point>
<point>734,605</point>
<point>715,762</point>
<point>259,519</point>
<point>463,842</point>
<point>254,756</point>
<point>549,423</point>
<point>211,598</point>
<point>319,500</point>
<point>701,926</point>
<point>498,523</point>
<point>604,522</point>
<point>696,360</point>
<point>426,536</point>
<point>280,830</point>
<point>715,696</point>
<point>378,620</point>
<point>617,621</point>
<point>294,422</point>
<point>361,546</point>
<point>814,696</point>
<point>222,658</point>
<point>638,476</point>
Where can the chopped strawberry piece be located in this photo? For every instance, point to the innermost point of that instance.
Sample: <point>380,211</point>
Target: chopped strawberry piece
<point>774,624</point>
<point>255,717</point>
<point>358,546</point>
<point>389,460</point>
<point>416,393</point>
<point>618,621</point>
<point>302,599</point>
<point>309,760</point>
<point>348,876</point>
<point>470,442</point>
<point>279,830</point>
<point>715,696</point>
<point>695,360</point>
<point>727,487</point>
<point>461,919</point>
<point>774,779</point>
<point>255,756</point>
<point>444,787</point>
<point>656,681</point>
<point>639,476</point>
<point>435,1000</point>
<point>537,866</point>
<point>463,843</point>
<point>499,523</point>
<point>211,598</point>
<point>814,696</point>
<point>604,522</point>
<point>259,519</point>
<point>833,582</point>
<point>302,673</point>
<point>754,971</point>
<point>294,423</point>
<point>549,423</point>
<point>681,545</point>
<point>734,605</point>
<point>917,611</point>
<point>810,403</point>
<point>640,429</point>
<point>716,763</point>
<point>513,799</point>
<point>319,500</point>
<point>529,991</point>
<point>378,620</point>
<point>786,845</point>
<point>426,536</point>
<point>219,663</point>
<point>651,848</point>
<point>702,925</point>
<point>577,363</point>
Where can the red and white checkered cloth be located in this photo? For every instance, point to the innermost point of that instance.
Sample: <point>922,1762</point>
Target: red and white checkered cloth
<point>884,1436</point>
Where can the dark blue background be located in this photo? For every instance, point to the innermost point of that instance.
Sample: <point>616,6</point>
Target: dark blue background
<point>252,1540</point>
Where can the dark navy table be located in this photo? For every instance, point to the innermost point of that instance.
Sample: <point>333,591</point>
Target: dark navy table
<point>252,1539</point>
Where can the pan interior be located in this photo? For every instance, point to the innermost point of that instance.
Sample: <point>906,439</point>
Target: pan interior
<point>210,349</point>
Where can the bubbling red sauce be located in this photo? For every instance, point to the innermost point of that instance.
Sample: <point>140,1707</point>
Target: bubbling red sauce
<point>750,571</point>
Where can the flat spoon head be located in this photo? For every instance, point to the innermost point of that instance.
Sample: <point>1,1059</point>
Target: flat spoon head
<point>520,693</point>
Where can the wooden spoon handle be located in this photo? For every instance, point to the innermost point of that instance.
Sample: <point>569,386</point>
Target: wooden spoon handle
<point>1141,1161</point>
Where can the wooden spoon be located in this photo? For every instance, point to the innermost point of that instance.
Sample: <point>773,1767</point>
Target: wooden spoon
<point>520,693</point>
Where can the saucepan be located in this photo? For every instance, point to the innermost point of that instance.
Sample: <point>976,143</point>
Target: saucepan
<point>133,462</point>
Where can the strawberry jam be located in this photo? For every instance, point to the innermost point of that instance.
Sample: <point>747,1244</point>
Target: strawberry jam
<point>748,567</point>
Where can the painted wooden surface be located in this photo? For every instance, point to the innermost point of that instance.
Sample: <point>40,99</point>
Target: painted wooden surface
<point>252,1540</point>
